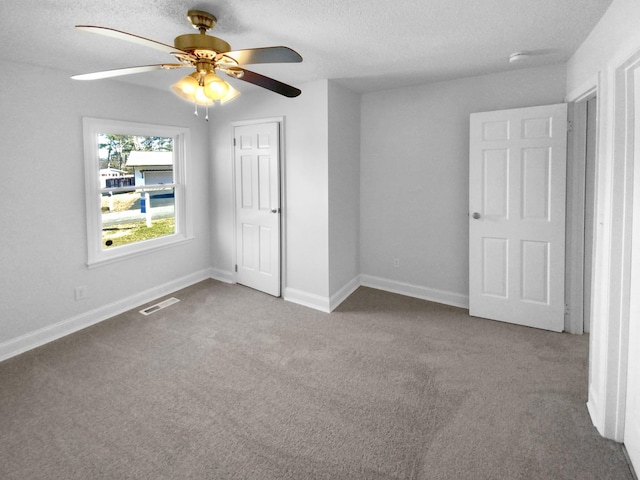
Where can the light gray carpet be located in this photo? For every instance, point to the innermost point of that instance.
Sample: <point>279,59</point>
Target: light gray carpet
<point>234,384</point>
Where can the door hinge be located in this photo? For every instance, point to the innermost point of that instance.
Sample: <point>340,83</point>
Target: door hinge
<point>569,126</point>
<point>234,142</point>
<point>236,268</point>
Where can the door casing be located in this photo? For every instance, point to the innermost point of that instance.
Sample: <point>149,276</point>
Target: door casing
<point>632,402</point>
<point>577,195</point>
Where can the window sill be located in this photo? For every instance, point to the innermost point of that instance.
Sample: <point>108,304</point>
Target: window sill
<point>142,248</point>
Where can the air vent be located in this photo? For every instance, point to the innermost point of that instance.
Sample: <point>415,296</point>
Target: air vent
<point>159,306</point>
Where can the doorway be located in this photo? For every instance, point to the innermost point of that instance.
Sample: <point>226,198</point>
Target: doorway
<point>581,201</point>
<point>589,209</point>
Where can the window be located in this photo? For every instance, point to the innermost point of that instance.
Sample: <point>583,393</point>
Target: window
<point>135,188</point>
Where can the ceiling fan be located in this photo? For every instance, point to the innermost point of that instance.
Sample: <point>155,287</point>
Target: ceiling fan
<point>207,54</point>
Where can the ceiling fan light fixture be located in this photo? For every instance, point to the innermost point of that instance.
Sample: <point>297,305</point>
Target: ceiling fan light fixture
<point>187,85</point>
<point>201,98</point>
<point>231,94</point>
<point>214,87</point>
<point>204,90</point>
<point>189,89</point>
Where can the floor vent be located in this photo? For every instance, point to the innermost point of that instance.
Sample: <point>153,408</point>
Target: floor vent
<point>159,306</point>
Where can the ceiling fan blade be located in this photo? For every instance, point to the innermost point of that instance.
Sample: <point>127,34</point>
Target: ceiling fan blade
<point>130,37</point>
<point>127,71</point>
<point>266,82</point>
<point>264,55</point>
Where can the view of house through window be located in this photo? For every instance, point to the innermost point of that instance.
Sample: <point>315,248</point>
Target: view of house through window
<point>137,188</point>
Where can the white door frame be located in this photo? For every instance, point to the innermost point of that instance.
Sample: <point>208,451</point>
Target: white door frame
<point>575,228</point>
<point>608,348</point>
<point>283,205</point>
<point>632,414</point>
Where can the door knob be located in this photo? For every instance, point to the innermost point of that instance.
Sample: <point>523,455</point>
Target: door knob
<point>274,210</point>
<point>476,215</point>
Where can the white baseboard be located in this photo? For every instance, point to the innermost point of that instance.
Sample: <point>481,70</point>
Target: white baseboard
<point>318,302</point>
<point>37,338</point>
<point>222,275</point>
<point>34,339</point>
<point>307,299</point>
<point>594,410</point>
<point>416,291</point>
<point>324,304</point>
<point>342,294</point>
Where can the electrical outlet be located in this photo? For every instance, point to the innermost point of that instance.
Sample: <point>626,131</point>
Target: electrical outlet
<point>81,292</point>
<point>396,262</point>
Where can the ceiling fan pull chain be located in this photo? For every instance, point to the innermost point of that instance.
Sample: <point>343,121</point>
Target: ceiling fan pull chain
<point>195,112</point>
<point>207,110</point>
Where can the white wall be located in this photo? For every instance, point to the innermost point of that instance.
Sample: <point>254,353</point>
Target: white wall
<point>614,37</point>
<point>414,177</point>
<point>43,248</point>
<point>602,61</point>
<point>344,192</point>
<point>306,207</point>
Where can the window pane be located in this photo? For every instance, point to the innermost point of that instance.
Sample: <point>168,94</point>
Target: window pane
<point>133,215</point>
<point>134,160</point>
<point>129,217</point>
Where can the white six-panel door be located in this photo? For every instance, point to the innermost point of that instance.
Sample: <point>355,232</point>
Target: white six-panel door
<point>257,179</point>
<point>517,195</point>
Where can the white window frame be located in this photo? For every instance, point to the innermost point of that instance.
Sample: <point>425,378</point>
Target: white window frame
<point>181,139</point>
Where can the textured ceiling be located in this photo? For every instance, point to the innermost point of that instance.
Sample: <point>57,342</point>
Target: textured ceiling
<point>366,44</point>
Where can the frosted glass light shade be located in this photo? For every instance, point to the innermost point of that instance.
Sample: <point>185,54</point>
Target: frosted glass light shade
<point>189,89</point>
<point>187,85</point>
<point>214,87</point>
<point>204,91</point>
<point>231,94</point>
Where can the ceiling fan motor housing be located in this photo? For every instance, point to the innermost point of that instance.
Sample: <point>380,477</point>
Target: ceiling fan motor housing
<point>193,41</point>
<point>202,21</point>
